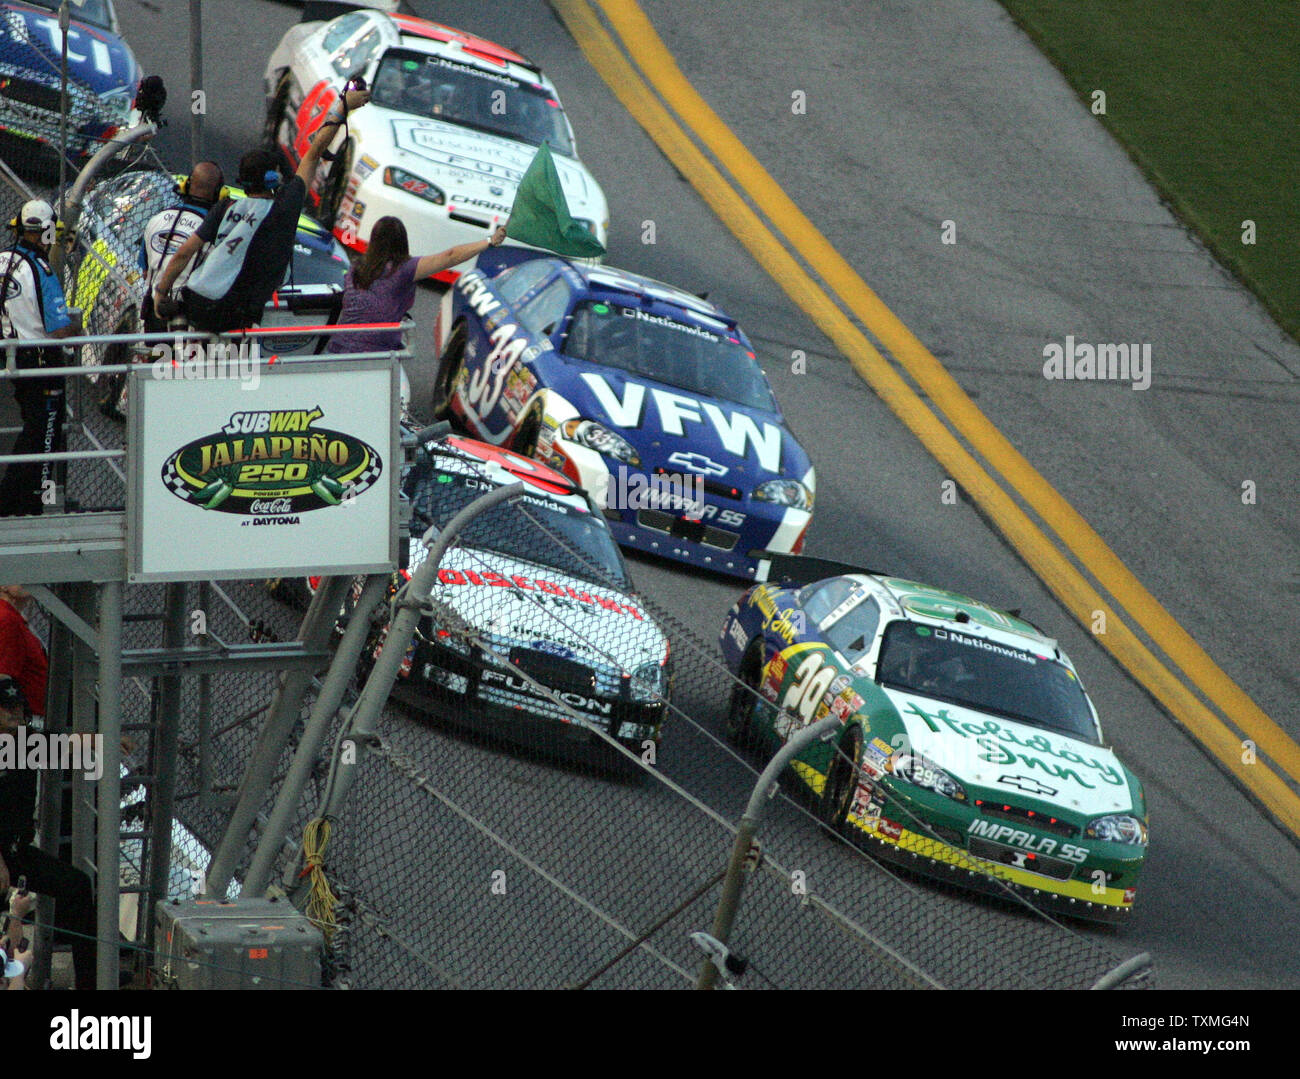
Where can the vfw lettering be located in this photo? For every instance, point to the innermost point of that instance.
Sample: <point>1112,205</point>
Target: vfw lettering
<point>735,431</point>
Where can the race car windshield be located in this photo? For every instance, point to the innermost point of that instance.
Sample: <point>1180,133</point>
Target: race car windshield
<point>444,89</point>
<point>675,353</point>
<point>984,676</point>
<point>89,11</point>
<point>533,529</point>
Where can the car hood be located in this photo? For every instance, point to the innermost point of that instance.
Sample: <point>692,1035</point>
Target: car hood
<point>96,57</point>
<point>517,602</point>
<point>1014,759</point>
<point>723,441</point>
<point>472,167</point>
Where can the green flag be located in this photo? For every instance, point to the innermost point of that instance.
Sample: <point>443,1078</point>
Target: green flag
<point>540,215</point>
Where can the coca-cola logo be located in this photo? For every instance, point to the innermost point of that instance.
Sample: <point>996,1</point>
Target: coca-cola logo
<point>271,505</point>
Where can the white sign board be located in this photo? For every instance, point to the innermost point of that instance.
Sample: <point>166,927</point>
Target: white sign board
<point>291,472</point>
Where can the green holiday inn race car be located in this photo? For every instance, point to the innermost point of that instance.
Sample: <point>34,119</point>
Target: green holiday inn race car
<point>969,750</point>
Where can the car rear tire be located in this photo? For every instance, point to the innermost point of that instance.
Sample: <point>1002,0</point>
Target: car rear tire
<point>841,780</point>
<point>275,116</point>
<point>449,364</point>
<point>739,728</point>
<point>331,196</point>
<point>112,388</point>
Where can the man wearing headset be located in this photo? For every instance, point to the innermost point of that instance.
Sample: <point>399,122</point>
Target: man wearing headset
<point>250,240</point>
<point>163,235</point>
<point>32,306</point>
<point>168,229</point>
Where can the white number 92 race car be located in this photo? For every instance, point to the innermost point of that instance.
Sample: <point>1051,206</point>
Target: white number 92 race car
<point>452,124</point>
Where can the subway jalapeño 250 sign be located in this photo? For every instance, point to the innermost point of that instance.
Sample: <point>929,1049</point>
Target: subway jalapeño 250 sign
<point>272,465</point>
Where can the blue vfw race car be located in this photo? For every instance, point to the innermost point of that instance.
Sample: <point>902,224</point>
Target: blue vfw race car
<point>648,397</point>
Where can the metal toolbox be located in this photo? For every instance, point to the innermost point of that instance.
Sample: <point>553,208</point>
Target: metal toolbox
<point>245,944</point>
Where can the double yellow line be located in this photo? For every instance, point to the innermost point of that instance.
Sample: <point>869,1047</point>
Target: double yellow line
<point>656,73</point>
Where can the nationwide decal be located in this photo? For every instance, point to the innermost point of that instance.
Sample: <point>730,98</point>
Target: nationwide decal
<point>996,740</point>
<point>272,466</point>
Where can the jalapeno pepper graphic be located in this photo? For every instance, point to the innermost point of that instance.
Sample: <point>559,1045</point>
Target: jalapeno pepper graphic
<point>213,494</point>
<point>329,489</point>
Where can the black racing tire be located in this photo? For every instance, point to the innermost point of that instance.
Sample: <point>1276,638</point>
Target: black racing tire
<point>526,434</point>
<point>448,371</point>
<point>275,116</point>
<point>331,196</point>
<point>841,780</point>
<point>111,388</point>
<point>739,729</point>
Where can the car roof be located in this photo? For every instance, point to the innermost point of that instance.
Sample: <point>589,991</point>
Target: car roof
<point>916,602</point>
<point>425,35</point>
<point>613,283</point>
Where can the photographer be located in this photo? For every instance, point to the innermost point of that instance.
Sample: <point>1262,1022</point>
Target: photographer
<point>74,912</point>
<point>16,946</point>
<point>250,240</point>
<point>32,307</point>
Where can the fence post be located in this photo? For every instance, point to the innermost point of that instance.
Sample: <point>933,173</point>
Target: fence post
<point>196,80</point>
<point>729,903</point>
<point>365,714</point>
<point>65,24</point>
<point>108,820</point>
<point>162,753</point>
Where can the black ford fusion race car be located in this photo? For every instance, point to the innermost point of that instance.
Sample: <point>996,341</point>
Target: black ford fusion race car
<point>969,749</point>
<point>538,617</point>
<point>649,397</point>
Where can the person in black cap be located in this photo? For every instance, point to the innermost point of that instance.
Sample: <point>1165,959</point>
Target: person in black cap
<point>74,912</point>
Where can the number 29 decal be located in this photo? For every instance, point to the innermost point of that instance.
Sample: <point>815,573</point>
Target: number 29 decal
<point>812,678</point>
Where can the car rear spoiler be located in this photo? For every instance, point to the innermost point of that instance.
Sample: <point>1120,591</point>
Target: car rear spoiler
<point>323,10</point>
<point>798,569</point>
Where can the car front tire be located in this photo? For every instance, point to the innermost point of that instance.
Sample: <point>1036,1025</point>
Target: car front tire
<point>449,364</point>
<point>841,780</point>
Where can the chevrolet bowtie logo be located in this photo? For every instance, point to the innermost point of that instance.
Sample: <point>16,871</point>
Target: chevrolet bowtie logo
<point>697,462</point>
<point>1027,784</point>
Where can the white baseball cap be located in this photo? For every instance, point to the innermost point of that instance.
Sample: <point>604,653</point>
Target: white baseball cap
<point>36,215</point>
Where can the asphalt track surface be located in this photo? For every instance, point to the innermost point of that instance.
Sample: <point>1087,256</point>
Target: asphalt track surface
<point>919,114</point>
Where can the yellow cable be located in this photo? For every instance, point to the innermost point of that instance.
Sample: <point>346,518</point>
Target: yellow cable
<point>321,899</point>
